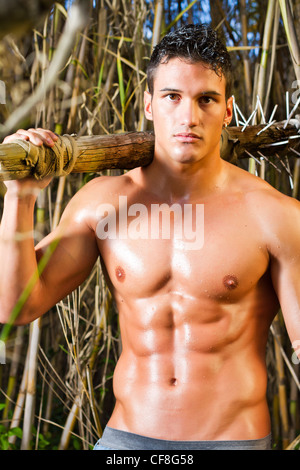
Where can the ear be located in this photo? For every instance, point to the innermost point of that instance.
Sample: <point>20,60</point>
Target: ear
<point>148,105</point>
<point>229,111</point>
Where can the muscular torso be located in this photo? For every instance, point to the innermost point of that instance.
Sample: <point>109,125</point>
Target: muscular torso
<point>194,322</point>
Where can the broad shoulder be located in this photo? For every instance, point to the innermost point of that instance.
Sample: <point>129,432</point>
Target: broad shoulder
<point>105,187</point>
<point>258,191</point>
<point>277,214</point>
<point>98,191</point>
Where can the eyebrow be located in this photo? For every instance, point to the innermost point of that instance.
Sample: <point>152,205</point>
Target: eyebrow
<point>175,90</point>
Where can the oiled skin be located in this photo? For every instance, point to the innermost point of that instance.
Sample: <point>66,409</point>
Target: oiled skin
<point>194,323</point>
<point>193,347</point>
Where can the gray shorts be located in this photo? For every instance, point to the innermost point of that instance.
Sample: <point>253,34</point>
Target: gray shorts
<point>113,439</point>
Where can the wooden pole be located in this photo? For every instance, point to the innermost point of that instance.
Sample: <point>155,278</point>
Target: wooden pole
<point>133,149</point>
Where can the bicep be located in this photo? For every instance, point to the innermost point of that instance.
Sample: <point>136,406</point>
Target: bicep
<point>66,256</point>
<point>285,266</point>
<point>286,282</point>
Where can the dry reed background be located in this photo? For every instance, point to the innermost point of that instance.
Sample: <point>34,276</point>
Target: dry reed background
<point>56,385</point>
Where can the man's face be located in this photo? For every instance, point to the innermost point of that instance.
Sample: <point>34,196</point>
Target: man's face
<point>188,109</point>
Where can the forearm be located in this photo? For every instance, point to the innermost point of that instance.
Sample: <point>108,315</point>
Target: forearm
<point>17,253</point>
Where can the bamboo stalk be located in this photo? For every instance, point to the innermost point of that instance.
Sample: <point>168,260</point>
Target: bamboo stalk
<point>31,385</point>
<point>19,405</point>
<point>291,35</point>
<point>293,405</point>
<point>273,58</point>
<point>133,149</point>
<point>92,401</point>
<point>281,383</point>
<point>247,73</point>
<point>158,16</point>
<point>69,426</point>
<point>13,370</point>
<point>293,444</point>
<point>265,50</point>
<point>76,85</point>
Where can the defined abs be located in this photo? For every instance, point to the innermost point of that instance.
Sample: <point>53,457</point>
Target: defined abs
<point>188,402</point>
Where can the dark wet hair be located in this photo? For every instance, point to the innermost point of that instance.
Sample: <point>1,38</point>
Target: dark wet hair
<point>193,43</point>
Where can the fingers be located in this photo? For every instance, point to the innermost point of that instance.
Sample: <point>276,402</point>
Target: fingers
<point>37,136</point>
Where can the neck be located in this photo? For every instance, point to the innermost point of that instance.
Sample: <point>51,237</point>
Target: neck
<point>174,181</point>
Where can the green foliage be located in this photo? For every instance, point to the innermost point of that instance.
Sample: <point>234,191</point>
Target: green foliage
<point>6,434</point>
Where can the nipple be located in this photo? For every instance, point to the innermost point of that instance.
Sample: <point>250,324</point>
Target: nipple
<point>120,274</point>
<point>230,282</point>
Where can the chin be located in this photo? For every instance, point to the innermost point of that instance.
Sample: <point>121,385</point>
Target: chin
<point>186,159</point>
<point>187,154</point>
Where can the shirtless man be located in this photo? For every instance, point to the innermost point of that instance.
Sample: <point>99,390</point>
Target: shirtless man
<point>194,321</point>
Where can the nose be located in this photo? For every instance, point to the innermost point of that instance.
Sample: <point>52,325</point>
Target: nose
<point>189,113</point>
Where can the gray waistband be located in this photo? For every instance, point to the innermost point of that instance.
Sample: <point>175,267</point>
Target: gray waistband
<point>122,440</point>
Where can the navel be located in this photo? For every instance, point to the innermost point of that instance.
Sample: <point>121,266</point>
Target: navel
<point>120,274</point>
<point>230,282</point>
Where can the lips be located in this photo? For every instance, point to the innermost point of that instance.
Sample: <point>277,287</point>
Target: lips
<point>188,137</point>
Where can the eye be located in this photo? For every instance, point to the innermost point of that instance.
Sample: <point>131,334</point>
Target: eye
<point>172,97</point>
<point>206,99</point>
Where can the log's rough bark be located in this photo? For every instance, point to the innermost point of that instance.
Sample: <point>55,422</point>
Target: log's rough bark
<point>277,138</point>
<point>95,153</point>
<point>133,149</point>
